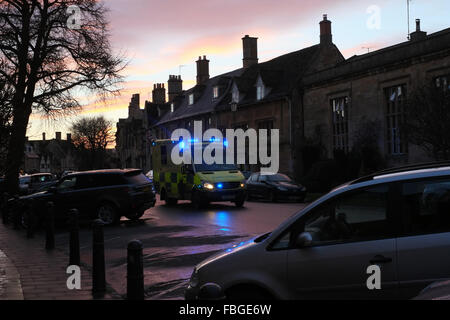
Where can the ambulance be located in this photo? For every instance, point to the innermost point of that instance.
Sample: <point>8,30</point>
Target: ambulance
<point>200,183</point>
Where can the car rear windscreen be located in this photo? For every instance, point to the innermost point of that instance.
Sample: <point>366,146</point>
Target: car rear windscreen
<point>137,178</point>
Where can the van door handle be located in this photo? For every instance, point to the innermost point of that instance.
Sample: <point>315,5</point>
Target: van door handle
<point>380,259</point>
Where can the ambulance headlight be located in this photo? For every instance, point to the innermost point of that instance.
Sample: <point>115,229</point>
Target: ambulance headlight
<point>208,186</point>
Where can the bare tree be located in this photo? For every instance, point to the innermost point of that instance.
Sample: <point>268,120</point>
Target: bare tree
<point>5,123</point>
<point>92,136</point>
<point>428,120</point>
<point>49,49</point>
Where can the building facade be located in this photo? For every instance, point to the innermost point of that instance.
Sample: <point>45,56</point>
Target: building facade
<point>313,96</point>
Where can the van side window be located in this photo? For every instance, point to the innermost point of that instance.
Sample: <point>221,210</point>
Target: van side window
<point>426,207</point>
<point>358,216</point>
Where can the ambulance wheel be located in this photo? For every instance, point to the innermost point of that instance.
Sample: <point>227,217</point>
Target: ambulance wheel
<point>171,201</point>
<point>197,201</point>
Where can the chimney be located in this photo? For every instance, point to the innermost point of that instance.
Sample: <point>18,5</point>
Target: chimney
<point>43,136</point>
<point>202,70</point>
<point>58,136</point>
<point>250,48</point>
<point>134,106</point>
<point>159,93</point>
<point>175,86</point>
<point>326,37</point>
<point>418,34</point>
<point>69,137</point>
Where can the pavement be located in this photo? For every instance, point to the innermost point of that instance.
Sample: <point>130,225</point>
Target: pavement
<point>175,239</point>
<point>30,272</point>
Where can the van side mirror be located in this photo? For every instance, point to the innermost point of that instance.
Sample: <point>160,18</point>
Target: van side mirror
<point>304,240</point>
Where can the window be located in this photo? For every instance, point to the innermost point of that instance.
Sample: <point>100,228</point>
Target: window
<point>215,92</point>
<point>395,98</point>
<point>253,177</point>
<point>172,107</point>
<point>191,99</point>
<point>357,216</point>
<point>442,82</point>
<point>339,109</point>
<point>235,94</point>
<point>67,184</point>
<point>259,92</point>
<point>426,207</point>
<point>260,89</point>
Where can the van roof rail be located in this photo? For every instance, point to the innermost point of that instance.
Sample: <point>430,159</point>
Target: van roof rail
<point>411,167</point>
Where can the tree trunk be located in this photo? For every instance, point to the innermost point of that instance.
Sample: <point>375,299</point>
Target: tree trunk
<point>16,147</point>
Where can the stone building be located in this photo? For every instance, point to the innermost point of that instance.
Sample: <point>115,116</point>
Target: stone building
<point>340,101</point>
<point>314,96</point>
<point>258,95</point>
<point>131,136</point>
<point>49,156</point>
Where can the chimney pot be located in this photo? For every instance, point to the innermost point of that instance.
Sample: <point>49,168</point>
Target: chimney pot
<point>326,37</point>
<point>43,136</point>
<point>418,34</point>
<point>58,136</point>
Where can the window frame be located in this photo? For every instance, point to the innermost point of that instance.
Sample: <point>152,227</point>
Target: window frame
<point>392,218</point>
<point>340,125</point>
<point>395,117</point>
<point>403,214</point>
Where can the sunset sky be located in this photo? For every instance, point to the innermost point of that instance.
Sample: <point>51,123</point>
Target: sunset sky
<point>162,37</point>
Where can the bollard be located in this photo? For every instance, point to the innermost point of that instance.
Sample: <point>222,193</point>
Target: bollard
<point>4,208</point>
<point>50,226</point>
<point>135,271</point>
<point>74,238</point>
<point>98,260</point>
<point>16,213</point>
<point>30,220</point>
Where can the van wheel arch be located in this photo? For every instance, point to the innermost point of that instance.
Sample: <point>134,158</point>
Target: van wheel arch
<point>248,291</point>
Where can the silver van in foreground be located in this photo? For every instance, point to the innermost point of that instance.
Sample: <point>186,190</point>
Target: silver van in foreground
<point>396,222</point>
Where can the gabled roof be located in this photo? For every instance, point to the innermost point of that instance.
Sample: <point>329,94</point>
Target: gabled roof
<point>203,98</point>
<point>280,75</point>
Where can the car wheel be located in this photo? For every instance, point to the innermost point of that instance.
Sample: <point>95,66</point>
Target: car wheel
<point>107,213</point>
<point>135,216</point>
<point>239,203</point>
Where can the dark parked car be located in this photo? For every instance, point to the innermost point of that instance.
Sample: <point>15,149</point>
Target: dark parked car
<point>105,194</point>
<point>274,188</point>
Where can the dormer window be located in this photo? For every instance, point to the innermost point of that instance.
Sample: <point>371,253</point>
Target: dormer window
<point>172,107</point>
<point>191,99</point>
<point>260,89</point>
<point>215,92</point>
<point>235,94</point>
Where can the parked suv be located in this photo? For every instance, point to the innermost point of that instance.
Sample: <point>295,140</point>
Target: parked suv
<point>106,194</point>
<point>398,219</point>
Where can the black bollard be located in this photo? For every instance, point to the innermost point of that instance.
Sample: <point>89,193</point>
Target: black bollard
<point>50,226</point>
<point>30,220</point>
<point>74,238</point>
<point>98,260</point>
<point>4,208</point>
<point>16,212</point>
<point>135,271</point>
